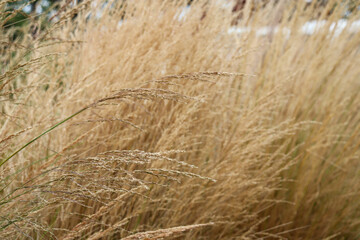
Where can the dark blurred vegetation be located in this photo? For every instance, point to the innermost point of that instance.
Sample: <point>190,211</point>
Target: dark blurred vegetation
<point>33,14</point>
<point>19,20</point>
<point>19,13</point>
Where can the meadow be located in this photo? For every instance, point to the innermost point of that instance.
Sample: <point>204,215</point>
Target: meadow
<point>162,120</point>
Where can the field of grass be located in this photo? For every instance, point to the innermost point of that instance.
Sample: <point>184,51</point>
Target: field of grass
<point>151,120</point>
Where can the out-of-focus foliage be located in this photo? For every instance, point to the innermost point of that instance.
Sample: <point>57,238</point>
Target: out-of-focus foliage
<point>18,13</point>
<point>15,15</point>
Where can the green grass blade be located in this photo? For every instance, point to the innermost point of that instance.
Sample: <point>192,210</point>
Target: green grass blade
<point>42,134</point>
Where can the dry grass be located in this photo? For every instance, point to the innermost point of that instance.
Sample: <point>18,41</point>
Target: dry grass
<point>138,125</point>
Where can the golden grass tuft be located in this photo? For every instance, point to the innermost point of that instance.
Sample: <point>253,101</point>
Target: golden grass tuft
<point>143,123</point>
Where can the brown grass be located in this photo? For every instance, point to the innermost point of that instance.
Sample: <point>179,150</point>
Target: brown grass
<point>165,128</point>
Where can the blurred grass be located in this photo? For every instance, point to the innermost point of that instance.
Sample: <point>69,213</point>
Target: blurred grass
<point>189,131</point>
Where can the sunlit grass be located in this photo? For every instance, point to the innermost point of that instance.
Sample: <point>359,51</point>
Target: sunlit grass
<point>132,122</point>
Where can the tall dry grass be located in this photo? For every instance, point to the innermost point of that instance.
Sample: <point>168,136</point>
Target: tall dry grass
<point>141,124</point>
